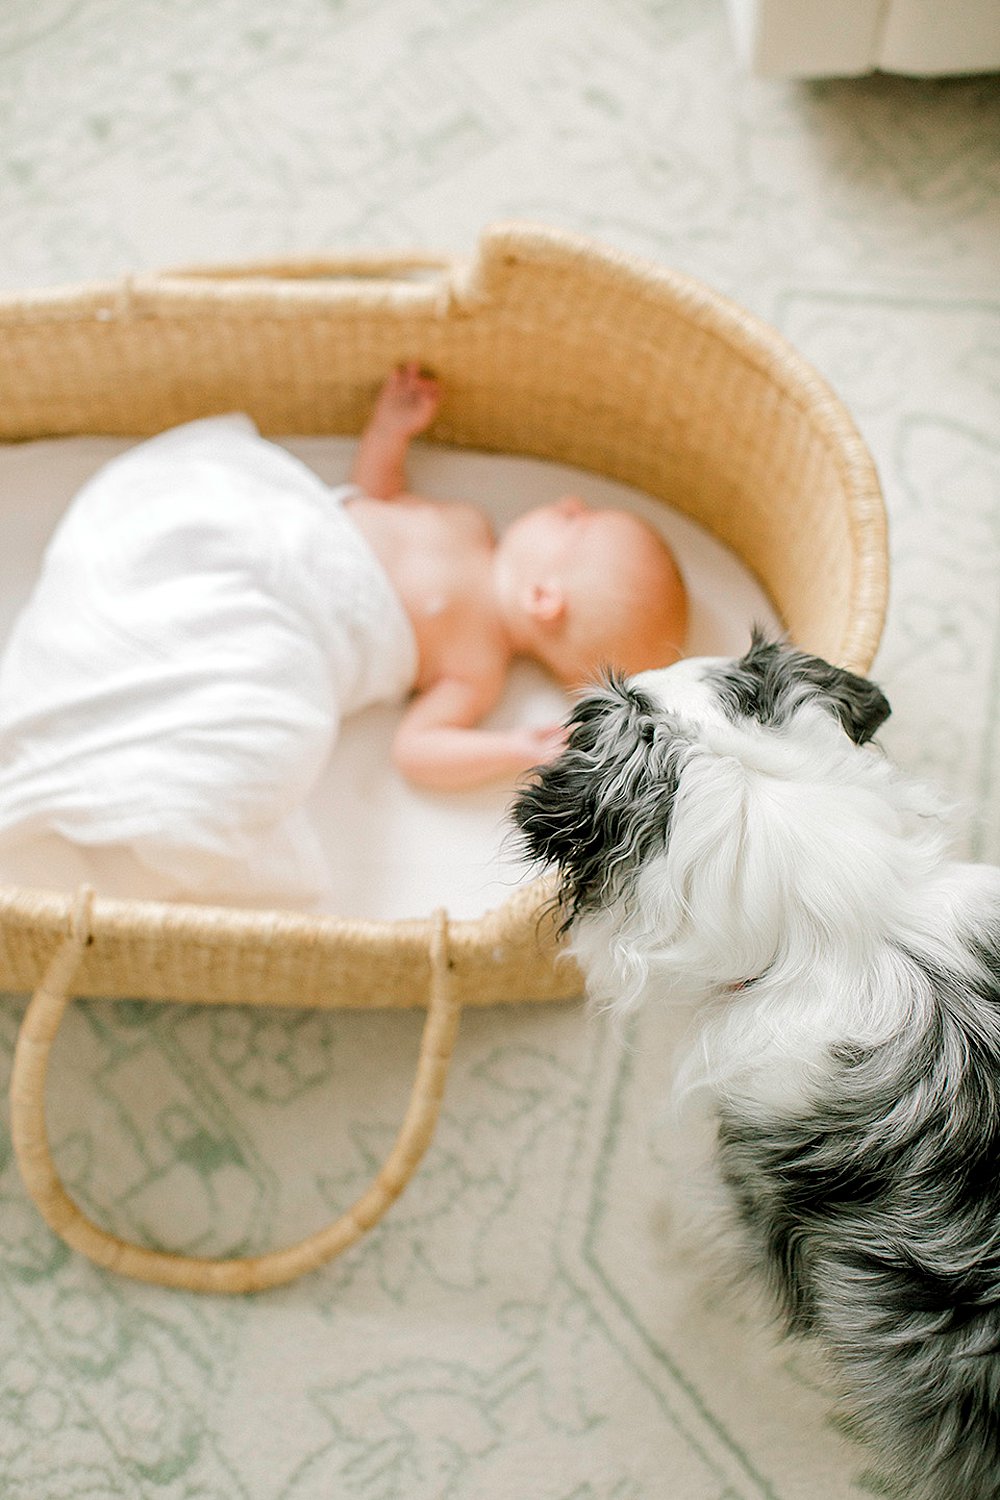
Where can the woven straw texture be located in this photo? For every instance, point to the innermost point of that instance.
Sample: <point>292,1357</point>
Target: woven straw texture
<point>546,345</point>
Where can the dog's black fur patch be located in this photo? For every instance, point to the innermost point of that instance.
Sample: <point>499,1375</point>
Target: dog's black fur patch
<point>600,810</point>
<point>772,679</point>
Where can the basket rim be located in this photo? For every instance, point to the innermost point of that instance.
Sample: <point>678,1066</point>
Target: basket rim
<point>310,285</point>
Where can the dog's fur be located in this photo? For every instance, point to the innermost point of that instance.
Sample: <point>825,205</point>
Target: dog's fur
<point>725,833</point>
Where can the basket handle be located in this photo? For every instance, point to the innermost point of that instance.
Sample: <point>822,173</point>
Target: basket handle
<point>192,1273</point>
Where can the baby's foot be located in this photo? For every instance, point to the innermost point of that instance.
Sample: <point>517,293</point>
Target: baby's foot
<point>408,401</point>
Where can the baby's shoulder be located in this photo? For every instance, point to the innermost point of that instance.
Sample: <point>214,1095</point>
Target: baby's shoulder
<point>460,521</point>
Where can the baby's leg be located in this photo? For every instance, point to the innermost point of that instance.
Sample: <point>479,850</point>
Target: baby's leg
<point>406,406</point>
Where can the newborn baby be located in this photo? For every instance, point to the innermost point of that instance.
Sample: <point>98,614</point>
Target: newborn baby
<point>208,611</point>
<point>575,588</point>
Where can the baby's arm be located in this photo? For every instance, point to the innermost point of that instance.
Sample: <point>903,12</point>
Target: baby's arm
<point>407,405</point>
<point>439,746</point>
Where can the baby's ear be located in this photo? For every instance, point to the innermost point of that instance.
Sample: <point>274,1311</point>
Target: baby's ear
<point>545,601</point>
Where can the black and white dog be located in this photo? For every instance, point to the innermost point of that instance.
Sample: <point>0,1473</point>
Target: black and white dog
<point>725,833</point>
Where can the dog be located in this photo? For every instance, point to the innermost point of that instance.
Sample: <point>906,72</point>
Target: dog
<point>727,833</point>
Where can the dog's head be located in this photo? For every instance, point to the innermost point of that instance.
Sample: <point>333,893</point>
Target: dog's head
<point>606,804</point>
<point>688,771</point>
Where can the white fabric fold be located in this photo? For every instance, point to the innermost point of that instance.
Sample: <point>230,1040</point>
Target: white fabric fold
<point>206,614</point>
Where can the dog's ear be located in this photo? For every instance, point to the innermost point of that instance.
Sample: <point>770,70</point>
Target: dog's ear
<point>604,805</point>
<point>861,707</point>
<point>772,679</point>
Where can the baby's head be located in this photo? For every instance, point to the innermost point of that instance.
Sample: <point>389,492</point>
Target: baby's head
<point>582,588</point>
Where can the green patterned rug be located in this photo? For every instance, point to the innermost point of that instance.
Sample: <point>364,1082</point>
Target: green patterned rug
<point>529,1322</point>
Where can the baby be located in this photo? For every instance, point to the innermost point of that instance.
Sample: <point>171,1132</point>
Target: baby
<point>575,588</point>
<point>208,611</point>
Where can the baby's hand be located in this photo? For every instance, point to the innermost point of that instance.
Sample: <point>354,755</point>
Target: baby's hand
<point>546,742</point>
<point>408,401</point>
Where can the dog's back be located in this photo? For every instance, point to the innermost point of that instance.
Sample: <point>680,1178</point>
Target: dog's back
<point>875,1216</point>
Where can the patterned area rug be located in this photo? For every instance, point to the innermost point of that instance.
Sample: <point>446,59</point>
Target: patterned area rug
<point>530,1321</point>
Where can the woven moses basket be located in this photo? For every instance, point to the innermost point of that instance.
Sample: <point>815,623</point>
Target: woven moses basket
<point>547,345</point>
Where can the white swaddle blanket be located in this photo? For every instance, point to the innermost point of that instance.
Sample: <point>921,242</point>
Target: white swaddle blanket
<point>206,614</point>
